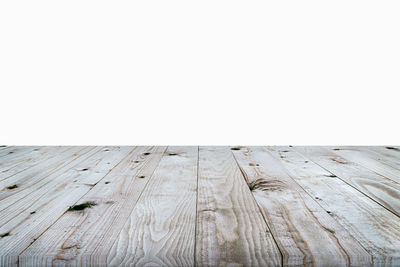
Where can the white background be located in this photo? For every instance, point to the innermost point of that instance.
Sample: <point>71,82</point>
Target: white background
<point>199,72</point>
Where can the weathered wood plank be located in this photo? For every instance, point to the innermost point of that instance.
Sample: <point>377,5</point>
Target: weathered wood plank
<point>32,208</point>
<point>18,186</point>
<point>374,227</point>
<point>14,150</point>
<point>305,233</point>
<point>368,160</point>
<point>379,188</point>
<point>16,163</point>
<point>81,236</point>
<point>230,227</point>
<point>161,228</point>
<point>388,155</point>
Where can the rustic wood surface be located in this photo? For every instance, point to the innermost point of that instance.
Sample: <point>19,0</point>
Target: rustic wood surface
<point>199,206</point>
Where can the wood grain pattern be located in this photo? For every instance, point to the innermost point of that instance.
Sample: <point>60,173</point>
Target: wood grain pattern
<point>199,206</point>
<point>7,151</point>
<point>374,227</point>
<point>379,188</point>
<point>161,229</point>
<point>230,227</point>
<point>305,233</point>
<point>33,211</point>
<point>80,236</point>
<point>387,155</point>
<point>17,162</point>
<point>368,160</point>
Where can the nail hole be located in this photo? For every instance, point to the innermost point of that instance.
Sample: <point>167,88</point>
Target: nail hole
<point>146,154</point>
<point>142,176</point>
<point>172,154</point>
<point>107,182</point>
<point>235,148</point>
<point>33,212</point>
<point>84,169</point>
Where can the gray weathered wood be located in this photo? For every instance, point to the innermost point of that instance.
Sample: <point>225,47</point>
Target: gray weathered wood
<point>230,227</point>
<point>305,233</point>
<point>80,237</point>
<point>374,227</point>
<point>207,206</point>
<point>379,188</point>
<point>161,228</point>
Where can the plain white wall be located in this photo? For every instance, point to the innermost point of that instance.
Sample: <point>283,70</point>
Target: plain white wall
<point>199,72</point>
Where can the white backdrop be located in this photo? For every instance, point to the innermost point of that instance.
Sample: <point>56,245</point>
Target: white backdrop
<point>199,72</point>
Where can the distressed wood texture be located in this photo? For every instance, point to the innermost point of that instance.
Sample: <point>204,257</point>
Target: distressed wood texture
<point>376,186</point>
<point>305,233</point>
<point>230,226</point>
<point>199,206</point>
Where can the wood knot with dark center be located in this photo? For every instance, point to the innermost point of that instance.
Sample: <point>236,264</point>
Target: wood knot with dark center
<point>12,187</point>
<point>4,235</point>
<point>82,206</point>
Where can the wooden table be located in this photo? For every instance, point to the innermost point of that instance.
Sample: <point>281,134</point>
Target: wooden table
<point>204,206</point>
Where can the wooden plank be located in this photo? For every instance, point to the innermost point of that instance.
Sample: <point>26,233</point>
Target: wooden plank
<point>374,227</point>
<point>305,233</point>
<point>161,228</point>
<point>387,155</point>
<point>77,236</point>
<point>16,163</point>
<point>29,209</point>
<point>379,188</point>
<point>15,150</point>
<point>66,180</point>
<point>26,182</point>
<point>230,227</point>
<point>368,160</point>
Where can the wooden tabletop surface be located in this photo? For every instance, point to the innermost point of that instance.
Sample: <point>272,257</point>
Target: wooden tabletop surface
<point>199,206</point>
